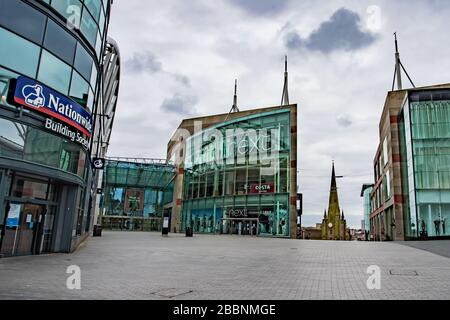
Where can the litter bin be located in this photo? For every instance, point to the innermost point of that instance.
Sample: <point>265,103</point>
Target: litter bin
<point>97,230</point>
<point>188,232</point>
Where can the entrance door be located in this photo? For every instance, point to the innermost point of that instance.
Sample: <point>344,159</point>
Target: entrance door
<point>22,230</point>
<point>243,227</point>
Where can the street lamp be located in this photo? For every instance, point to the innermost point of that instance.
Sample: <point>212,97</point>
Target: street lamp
<point>330,226</point>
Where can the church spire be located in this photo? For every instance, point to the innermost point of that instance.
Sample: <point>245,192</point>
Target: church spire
<point>285,96</point>
<point>333,205</point>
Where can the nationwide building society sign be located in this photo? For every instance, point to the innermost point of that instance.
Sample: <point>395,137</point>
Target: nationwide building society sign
<point>38,97</point>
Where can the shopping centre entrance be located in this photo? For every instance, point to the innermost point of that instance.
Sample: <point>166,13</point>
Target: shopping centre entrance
<point>30,210</point>
<point>244,227</point>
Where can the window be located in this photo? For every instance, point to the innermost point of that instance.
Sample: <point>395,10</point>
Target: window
<point>23,19</point>
<point>24,142</point>
<point>210,184</point>
<point>385,151</point>
<point>89,27</point>
<point>54,72</point>
<point>79,89</point>
<point>83,62</point>
<point>18,53</point>
<point>241,180</point>
<point>69,9</point>
<point>5,75</point>
<point>94,6</point>
<point>59,42</point>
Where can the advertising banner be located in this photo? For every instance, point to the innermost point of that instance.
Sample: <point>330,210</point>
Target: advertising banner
<point>134,200</point>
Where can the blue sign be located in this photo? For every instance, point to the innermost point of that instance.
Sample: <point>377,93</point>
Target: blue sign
<point>38,97</point>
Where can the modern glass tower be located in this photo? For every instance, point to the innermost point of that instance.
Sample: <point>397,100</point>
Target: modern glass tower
<point>55,116</point>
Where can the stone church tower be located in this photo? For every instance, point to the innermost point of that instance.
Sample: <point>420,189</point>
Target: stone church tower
<point>333,223</point>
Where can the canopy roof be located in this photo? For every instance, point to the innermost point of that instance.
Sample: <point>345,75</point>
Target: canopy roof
<point>139,173</point>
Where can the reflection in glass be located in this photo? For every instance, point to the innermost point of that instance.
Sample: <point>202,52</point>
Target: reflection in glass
<point>54,72</point>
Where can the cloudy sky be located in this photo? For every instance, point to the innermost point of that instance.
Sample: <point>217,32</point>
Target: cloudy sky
<point>180,59</point>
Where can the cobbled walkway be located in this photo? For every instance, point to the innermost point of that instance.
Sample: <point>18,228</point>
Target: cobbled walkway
<point>123,265</point>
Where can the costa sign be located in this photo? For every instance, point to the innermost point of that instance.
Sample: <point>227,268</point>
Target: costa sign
<point>38,97</point>
<point>262,188</point>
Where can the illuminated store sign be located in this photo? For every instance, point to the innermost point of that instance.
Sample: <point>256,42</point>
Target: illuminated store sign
<point>36,96</point>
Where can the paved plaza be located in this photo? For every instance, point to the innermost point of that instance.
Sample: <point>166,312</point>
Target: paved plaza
<point>124,265</point>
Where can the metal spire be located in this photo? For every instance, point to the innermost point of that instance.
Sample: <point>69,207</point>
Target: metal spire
<point>398,71</point>
<point>285,96</point>
<point>234,107</point>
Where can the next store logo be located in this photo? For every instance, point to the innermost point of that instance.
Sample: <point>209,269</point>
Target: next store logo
<point>36,96</point>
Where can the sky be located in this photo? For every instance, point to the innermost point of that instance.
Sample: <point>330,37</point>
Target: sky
<point>180,59</point>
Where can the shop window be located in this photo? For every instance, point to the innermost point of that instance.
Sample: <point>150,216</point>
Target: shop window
<point>23,19</point>
<point>54,37</point>
<point>18,54</point>
<point>54,72</point>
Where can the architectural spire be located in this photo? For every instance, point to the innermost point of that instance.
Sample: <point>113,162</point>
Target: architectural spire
<point>234,107</point>
<point>333,206</point>
<point>398,71</point>
<point>285,96</point>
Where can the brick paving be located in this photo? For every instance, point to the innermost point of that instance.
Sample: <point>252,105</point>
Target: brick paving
<point>124,265</point>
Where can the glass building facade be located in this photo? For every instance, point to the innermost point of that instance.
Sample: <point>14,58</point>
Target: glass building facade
<point>237,176</point>
<point>47,184</point>
<point>425,136</point>
<point>134,194</point>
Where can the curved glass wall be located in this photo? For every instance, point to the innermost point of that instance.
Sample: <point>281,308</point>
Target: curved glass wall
<point>46,52</point>
<point>86,16</point>
<point>19,141</point>
<point>427,140</point>
<point>237,177</point>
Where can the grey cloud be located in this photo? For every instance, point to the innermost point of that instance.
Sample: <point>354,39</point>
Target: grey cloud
<point>182,79</point>
<point>341,32</point>
<point>180,104</point>
<point>344,120</point>
<point>261,7</point>
<point>143,62</point>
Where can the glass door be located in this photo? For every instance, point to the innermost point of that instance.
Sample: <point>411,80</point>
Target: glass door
<point>22,229</point>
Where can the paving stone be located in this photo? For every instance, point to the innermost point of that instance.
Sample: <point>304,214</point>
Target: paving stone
<point>126,265</point>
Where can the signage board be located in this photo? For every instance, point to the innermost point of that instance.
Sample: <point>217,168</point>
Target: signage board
<point>98,163</point>
<point>13,215</point>
<point>262,188</point>
<point>40,98</point>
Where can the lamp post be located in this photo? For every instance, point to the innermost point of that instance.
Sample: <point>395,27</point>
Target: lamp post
<point>330,226</point>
